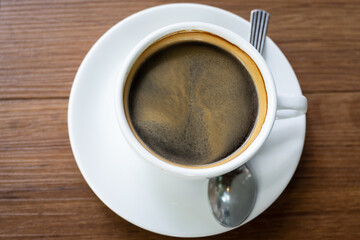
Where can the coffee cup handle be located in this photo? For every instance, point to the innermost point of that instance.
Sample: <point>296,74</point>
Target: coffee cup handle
<point>289,106</point>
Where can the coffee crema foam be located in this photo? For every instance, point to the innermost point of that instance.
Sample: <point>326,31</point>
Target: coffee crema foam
<point>190,101</point>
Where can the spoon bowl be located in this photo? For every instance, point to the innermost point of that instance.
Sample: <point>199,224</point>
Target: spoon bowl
<point>232,196</point>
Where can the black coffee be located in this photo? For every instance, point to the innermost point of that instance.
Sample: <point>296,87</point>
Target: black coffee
<point>192,103</point>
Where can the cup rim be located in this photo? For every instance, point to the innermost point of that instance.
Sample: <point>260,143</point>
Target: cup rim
<point>232,38</point>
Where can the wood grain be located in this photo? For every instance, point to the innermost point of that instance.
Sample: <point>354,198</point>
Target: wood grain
<point>44,196</point>
<point>42,43</point>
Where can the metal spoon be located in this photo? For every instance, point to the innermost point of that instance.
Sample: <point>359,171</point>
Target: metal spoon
<point>232,195</point>
<point>259,20</point>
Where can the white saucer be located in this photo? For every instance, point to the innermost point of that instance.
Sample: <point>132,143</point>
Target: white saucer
<point>137,191</point>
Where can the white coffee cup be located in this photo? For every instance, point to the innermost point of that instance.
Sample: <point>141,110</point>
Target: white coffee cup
<point>278,106</point>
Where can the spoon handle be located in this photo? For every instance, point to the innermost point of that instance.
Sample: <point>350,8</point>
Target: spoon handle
<point>259,20</point>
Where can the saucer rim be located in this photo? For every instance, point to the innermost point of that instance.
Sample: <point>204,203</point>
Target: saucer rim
<point>75,87</point>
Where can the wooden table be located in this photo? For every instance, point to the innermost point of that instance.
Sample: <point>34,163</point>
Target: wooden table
<point>44,196</point>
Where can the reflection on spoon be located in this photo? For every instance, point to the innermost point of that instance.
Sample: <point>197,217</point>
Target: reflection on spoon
<point>232,196</point>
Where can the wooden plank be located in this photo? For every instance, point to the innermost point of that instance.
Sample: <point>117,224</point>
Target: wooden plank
<point>43,195</point>
<point>43,43</point>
